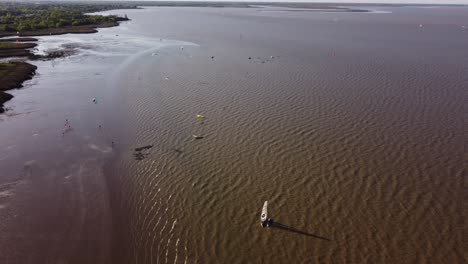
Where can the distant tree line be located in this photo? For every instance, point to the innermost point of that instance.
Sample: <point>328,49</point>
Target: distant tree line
<point>30,17</point>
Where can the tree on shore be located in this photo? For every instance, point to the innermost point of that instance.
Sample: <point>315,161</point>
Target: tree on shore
<point>29,17</point>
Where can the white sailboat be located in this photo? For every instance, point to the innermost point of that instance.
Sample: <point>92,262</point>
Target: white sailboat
<point>264,215</point>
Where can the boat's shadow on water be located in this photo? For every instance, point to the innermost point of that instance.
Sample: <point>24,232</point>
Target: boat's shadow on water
<point>294,230</point>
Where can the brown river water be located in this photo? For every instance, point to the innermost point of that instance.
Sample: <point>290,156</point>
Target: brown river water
<point>351,125</point>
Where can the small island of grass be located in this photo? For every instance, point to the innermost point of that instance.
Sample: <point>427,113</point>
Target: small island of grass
<point>12,75</point>
<point>9,49</point>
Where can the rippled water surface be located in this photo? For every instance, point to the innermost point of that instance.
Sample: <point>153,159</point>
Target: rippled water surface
<point>349,124</point>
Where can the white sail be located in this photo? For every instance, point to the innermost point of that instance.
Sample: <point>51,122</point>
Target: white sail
<point>264,215</point>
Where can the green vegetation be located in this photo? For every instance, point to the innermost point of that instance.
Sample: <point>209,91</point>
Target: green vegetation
<point>12,49</point>
<point>7,45</point>
<point>10,45</point>
<point>31,17</point>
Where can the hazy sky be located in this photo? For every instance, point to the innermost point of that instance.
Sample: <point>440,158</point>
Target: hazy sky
<point>389,1</point>
<point>353,1</point>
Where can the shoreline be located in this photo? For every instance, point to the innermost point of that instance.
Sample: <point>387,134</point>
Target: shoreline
<point>84,29</point>
<point>14,74</point>
<point>70,179</point>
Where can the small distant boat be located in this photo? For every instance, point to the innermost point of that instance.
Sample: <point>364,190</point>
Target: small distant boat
<point>197,137</point>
